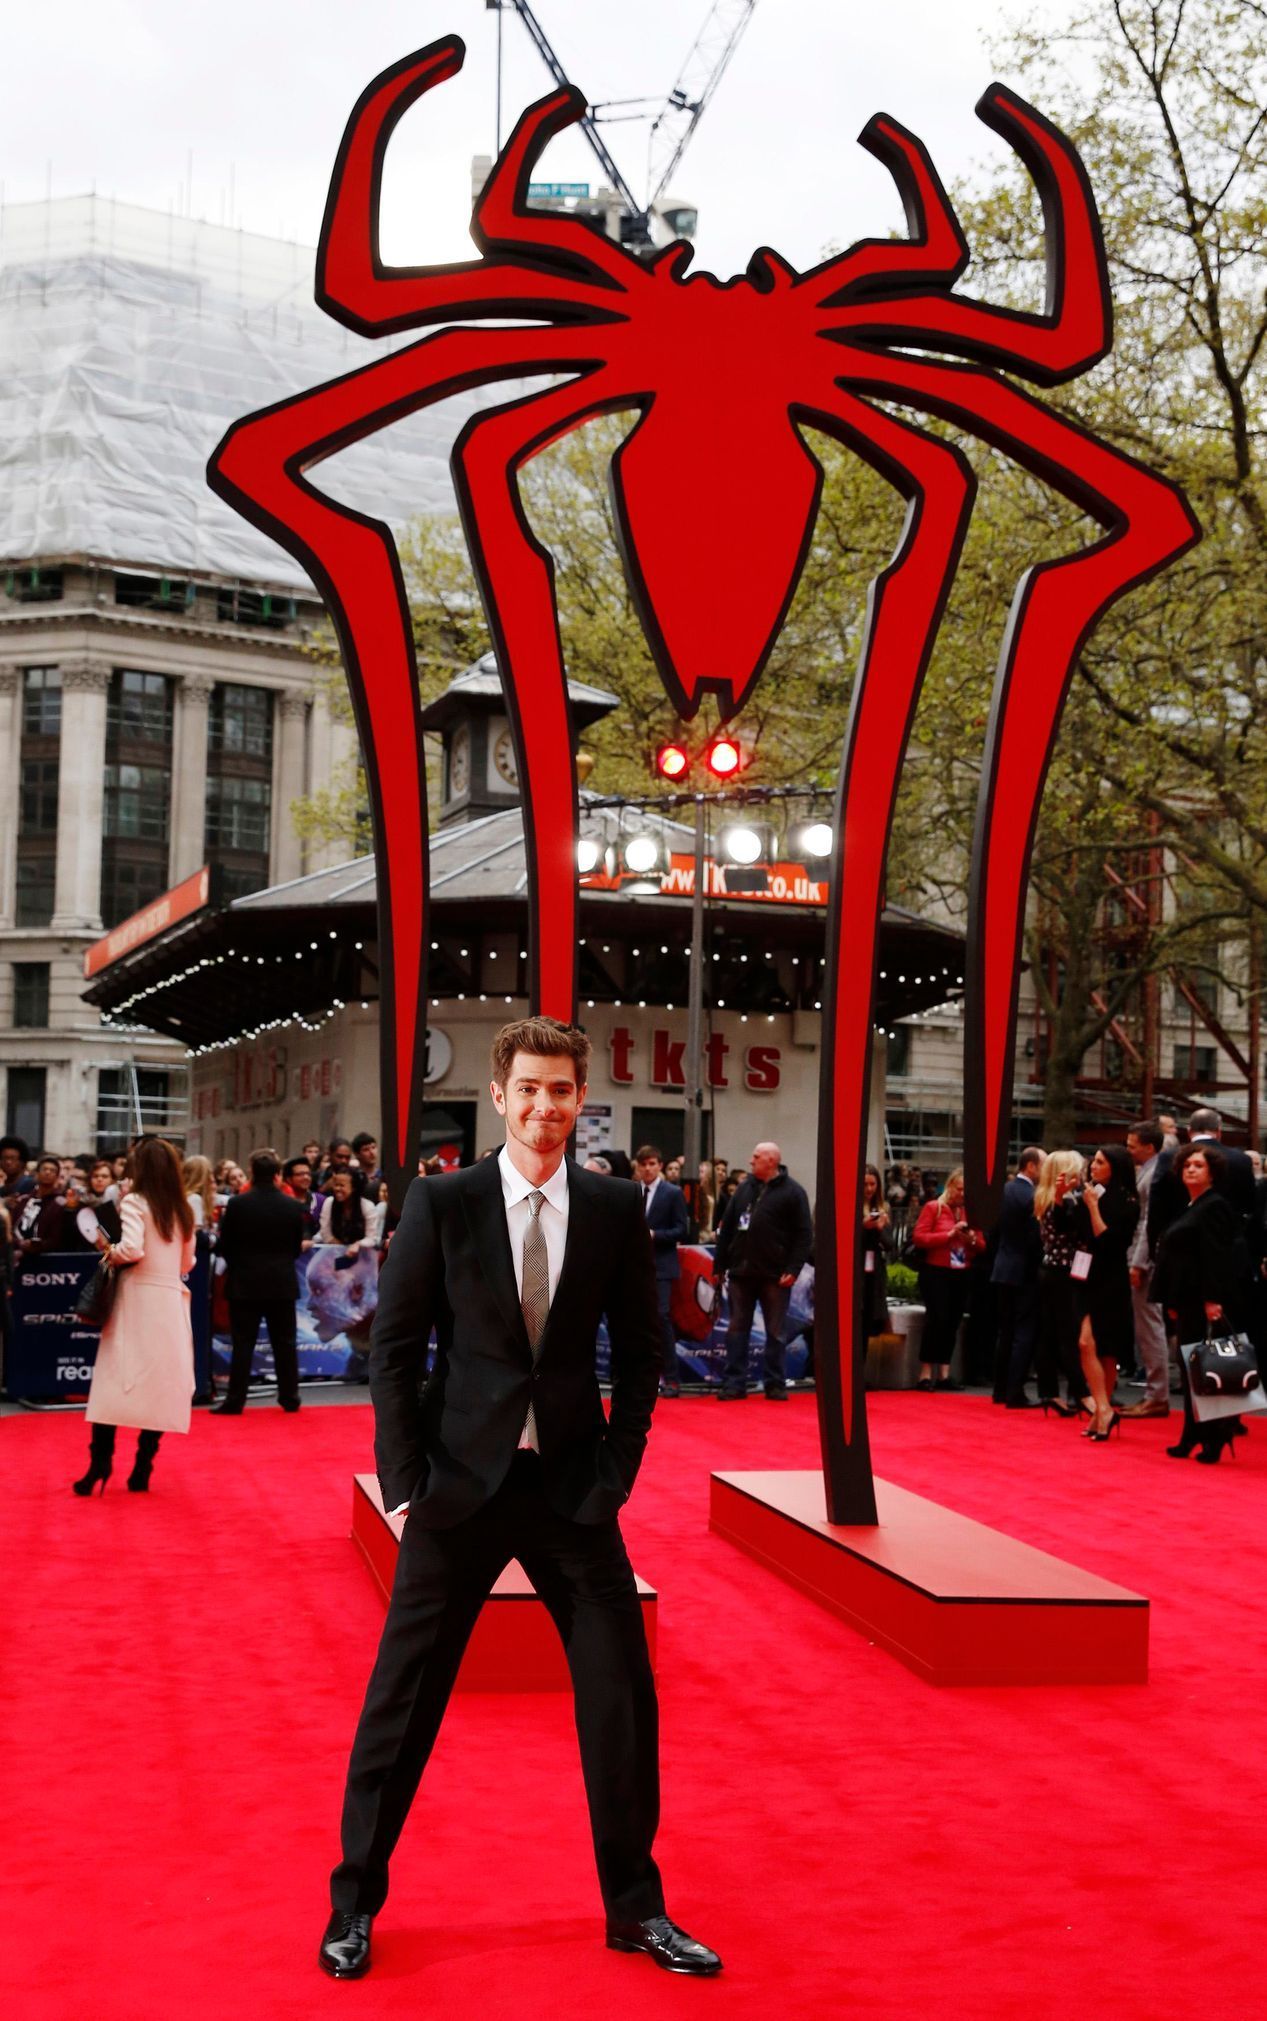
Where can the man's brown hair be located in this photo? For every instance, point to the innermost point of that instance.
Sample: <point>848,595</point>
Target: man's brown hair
<point>544,1037</point>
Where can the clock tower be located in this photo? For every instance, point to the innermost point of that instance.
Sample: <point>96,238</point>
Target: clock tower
<point>480,771</point>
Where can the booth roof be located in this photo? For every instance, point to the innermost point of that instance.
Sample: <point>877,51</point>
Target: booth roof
<point>296,949</point>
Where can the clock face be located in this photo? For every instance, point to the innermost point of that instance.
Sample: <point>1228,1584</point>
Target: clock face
<point>460,762</point>
<point>504,758</point>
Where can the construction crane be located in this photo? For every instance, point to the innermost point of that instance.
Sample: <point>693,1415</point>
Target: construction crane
<point>672,125</point>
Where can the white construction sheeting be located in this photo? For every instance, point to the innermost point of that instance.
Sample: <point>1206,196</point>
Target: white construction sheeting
<point>128,343</point>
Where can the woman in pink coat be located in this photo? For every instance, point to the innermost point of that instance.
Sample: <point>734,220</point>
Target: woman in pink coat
<point>144,1373</point>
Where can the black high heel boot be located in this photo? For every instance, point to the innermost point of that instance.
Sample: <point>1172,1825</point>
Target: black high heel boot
<point>1188,1443</point>
<point>1215,1443</point>
<point>143,1465</point>
<point>100,1461</point>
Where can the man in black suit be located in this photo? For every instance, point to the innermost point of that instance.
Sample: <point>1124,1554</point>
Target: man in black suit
<point>1015,1278</point>
<point>503,1452</point>
<point>261,1233</point>
<point>664,1206</point>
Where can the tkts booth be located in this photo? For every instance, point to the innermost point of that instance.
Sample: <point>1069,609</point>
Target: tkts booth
<point>276,995</point>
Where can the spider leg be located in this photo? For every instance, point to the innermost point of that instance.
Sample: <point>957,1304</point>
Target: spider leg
<point>905,605</point>
<point>1147,523</point>
<point>516,579</point>
<point>259,468</point>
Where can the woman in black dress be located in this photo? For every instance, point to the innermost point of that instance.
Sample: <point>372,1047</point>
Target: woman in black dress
<point>1102,1280</point>
<point>1063,1227</point>
<point>1202,1279</point>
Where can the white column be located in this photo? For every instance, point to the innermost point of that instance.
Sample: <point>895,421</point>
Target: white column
<point>80,796</point>
<point>290,742</point>
<point>188,817</point>
<point>10,787</point>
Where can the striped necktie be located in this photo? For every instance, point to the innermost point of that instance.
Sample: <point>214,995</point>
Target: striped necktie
<point>534,1298</point>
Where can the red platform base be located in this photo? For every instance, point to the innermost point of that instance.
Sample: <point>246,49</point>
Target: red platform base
<point>956,1602</point>
<point>515,1645</point>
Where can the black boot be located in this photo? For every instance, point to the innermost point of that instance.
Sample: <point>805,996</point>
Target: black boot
<point>143,1465</point>
<point>100,1463</point>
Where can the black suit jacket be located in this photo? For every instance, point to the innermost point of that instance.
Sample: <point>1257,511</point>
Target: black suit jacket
<point>666,1216</point>
<point>261,1233</point>
<point>1020,1246</point>
<point>446,1445</point>
<point>1203,1258</point>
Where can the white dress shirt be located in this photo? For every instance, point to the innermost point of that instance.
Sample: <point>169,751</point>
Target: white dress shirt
<point>553,1216</point>
<point>648,1192</point>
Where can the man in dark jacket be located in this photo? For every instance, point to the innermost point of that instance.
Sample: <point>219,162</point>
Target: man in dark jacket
<point>261,1234</point>
<point>664,1208</point>
<point>1015,1278</point>
<point>765,1238</point>
<point>1168,1197</point>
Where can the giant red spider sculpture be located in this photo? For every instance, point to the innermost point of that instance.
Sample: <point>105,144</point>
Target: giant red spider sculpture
<point>716,466</point>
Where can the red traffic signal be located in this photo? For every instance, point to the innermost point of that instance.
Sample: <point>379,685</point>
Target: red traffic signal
<point>724,757</point>
<point>672,761</point>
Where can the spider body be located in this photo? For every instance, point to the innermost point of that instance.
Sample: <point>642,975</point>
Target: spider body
<point>715,494</point>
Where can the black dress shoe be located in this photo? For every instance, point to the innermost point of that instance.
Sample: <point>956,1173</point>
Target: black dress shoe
<point>1024,1403</point>
<point>662,1940</point>
<point>289,1406</point>
<point>227,1410</point>
<point>345,1947</point>
<point>776,1392</point>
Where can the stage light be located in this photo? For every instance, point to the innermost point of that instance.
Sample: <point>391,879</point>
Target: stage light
<point>589,854</point>
<point>742,845</point>
<point>815,839</point>
<point>724,757</point>
<point>642,854</point>
<point>672,761</point>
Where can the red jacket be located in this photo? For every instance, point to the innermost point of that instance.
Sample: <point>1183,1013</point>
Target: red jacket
<point>937,1233</point>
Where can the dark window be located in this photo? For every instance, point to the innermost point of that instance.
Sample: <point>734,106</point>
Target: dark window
<point>154,592</point>
<point>238,814</point>
<point>136,802</point>
<point>236,606</point>
<point>34,585</point>
<point>139,709</point>
<point>898,1050</point>
<point>240,721</point>
<point>240,880</point>
<point>128,883</point>
<point>41,701</point>
<point>39,796</point>
<point>36,879</point>
<point>30,994</point>
<point>24,1104</point>
<point>1196,1065</point>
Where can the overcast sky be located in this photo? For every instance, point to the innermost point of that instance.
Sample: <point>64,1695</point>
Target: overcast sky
<point>257,92</point>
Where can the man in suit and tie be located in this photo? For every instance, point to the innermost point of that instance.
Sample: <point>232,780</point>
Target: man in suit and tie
<point>502,1453</point>
<point>664,1206</point>
<point>261,1233</point>
<point>1015,1278</point>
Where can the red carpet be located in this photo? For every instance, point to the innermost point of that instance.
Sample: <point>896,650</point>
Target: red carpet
<point>183,1671</point>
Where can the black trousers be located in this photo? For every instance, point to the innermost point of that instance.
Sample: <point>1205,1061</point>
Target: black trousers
<point>1014,1349</point>
<point>945,1301</point>
<point>745,1293</point>
<point>278,1315</point>
<point>1058,1336</point>
<point>663,1297</point>
<point>443,1578</point>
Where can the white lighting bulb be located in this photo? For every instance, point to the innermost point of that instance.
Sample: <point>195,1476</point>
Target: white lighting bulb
<point>588,855</point>
<point>816,839</point>
<point>641,853</point>
<point>743,845</point>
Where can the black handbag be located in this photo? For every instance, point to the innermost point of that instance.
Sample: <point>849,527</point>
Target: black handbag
<point>1224,1365</point>
<point>96,1297</point>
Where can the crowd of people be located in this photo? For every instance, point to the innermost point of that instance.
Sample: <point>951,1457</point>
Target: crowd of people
<point>1099,1271</point>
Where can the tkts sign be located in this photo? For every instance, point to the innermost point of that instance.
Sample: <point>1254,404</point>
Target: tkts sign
<point>760,1070</point>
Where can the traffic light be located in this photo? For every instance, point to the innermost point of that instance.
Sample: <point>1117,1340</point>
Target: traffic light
<point>672,761</point>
